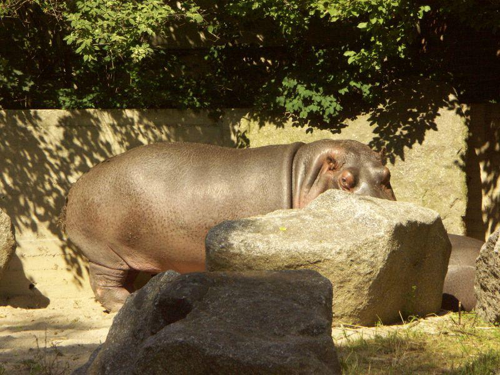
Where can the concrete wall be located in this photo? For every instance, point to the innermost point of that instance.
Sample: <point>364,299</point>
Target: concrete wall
<point>43,152</point>
<point>483,171</point>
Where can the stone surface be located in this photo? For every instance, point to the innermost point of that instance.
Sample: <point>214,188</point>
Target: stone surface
<point>487,281</point>
<point>222,323</point>
<point>7,241</point>
<point>382,257</point>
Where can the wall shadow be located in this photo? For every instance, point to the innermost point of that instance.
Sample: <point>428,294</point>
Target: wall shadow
<point>475,226</point>
<point>403,114</point>
<point>408,114</point>
<point>44,152</point>
<point>484,170</point>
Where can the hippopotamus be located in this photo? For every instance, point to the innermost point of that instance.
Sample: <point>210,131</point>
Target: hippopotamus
<point>459,281</point>
<point>150,208</point>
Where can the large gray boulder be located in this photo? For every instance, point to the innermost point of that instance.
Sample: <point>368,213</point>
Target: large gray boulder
<point>222,323</point>
<point>384,258</point>
<point>7,241</point>
<point>487,281</point>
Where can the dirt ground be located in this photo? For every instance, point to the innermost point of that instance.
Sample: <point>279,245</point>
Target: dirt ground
<point>59,338</point>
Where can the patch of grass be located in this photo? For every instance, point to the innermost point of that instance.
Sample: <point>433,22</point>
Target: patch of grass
<point>397,352</point>
<point>486,364</point>
<point>2,370</point>
<point>450,344</point>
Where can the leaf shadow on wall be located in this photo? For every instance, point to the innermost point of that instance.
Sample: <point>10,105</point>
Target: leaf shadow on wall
<point>401,116</point>
<point>483,170</point>
<point>43,157</point>
<point>409,114</point>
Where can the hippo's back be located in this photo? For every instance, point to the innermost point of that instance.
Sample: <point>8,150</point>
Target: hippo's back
<point>465,250</point>
<point>152,206</point>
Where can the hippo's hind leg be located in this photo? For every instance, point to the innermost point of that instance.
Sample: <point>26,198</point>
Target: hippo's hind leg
<point>111,286</point>
<point>459,288</point>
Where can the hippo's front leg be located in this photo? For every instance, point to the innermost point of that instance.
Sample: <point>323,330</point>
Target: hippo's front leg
<point>111,286</point>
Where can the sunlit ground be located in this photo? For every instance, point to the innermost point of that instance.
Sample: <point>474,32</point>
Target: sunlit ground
<point>449,344</point>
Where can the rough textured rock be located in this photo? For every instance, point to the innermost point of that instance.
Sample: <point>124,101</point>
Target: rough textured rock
<point>487,281</point>
<point>382,257</point>
<point>7,241</point>
<point>222,323</point>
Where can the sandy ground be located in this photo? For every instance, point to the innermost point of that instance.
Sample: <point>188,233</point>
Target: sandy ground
<point>60,337</point>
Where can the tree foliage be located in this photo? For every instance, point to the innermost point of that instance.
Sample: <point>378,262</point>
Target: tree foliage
<point>313,59</point>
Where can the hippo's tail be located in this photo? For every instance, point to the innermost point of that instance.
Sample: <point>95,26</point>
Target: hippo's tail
<point>61,220</point>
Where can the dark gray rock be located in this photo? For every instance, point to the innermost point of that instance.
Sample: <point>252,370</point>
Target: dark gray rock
<point>223,323</point>
<point>487,281</point>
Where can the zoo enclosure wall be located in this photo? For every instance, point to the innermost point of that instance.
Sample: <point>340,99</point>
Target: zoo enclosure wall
<point>44,151</point>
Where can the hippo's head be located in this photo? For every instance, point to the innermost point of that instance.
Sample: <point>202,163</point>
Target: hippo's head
<point>346,165</point>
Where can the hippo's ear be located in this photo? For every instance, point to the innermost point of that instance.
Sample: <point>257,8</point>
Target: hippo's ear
<point>312,175</point>
<point>383,156</point>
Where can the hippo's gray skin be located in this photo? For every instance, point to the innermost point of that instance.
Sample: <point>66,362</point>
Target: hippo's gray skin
<point>459,281</point>
<point>150,208</point>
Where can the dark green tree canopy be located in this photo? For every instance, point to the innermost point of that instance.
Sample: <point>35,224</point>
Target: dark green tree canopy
<point>312,59</point>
